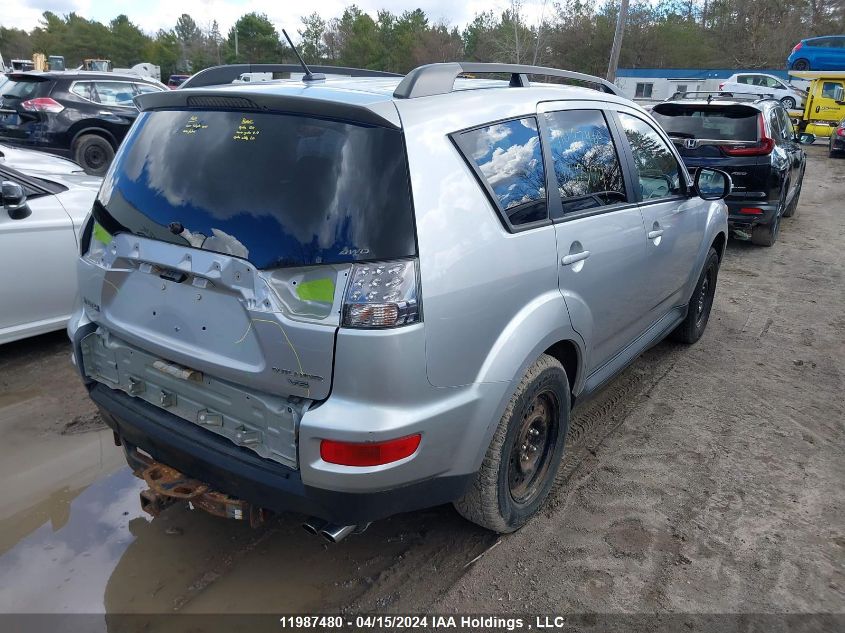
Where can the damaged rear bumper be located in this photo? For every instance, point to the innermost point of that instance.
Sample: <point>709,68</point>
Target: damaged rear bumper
<point>239,472</point>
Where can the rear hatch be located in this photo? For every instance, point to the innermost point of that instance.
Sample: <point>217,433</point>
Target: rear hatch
<point>226,240</point>
<point>24,99</point>
<point>727,136</point>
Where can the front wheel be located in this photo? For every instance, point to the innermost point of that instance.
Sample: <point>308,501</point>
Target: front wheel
<point>788,103</point>
<point>698,310</point>
<point>522,460</point>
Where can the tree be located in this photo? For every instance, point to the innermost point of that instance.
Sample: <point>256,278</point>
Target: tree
<point>257,40</point>
<point>128,43</point>
<point>311,45</point>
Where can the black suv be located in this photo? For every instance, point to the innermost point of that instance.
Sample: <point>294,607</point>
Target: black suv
<point>80,115</point>
<point>750,138</point>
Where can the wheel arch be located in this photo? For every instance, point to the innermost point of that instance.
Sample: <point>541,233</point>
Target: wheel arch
<point>96,131</point>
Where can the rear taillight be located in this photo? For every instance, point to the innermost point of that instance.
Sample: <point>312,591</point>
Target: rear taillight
<point>797,46</point>
<point>381,295</point>
<point>840,131</point>
<point>42,104</point>
<point>751,211</point>
<point>368,453</point>
<point>721,85</point>
<point>762,147</point>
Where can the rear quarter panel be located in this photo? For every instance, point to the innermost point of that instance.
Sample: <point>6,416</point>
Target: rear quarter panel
<point>491,302</point>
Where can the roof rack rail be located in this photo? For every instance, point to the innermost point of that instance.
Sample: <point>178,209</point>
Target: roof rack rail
<point>227,73</point>
<point>437,79</point>
<point>721,94</point>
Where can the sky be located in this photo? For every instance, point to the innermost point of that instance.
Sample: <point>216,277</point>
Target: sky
<point>152,15</point>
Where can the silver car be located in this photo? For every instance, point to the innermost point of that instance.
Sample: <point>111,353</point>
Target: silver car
<point>356,296</point>
<point>45,200</point>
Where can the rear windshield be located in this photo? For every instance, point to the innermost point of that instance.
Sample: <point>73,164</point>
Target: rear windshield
<point>278,190</point>
<point>17,89</point>
<point>738,123</point>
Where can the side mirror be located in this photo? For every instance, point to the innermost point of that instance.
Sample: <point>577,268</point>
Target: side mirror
<point>806,139</point>
<point>13,199</point>
<point>713,184</point>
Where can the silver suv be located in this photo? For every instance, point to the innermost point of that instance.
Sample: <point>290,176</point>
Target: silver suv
<point>366,294</point>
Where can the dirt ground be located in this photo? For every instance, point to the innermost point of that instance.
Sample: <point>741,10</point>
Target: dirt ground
<point>708,479</point>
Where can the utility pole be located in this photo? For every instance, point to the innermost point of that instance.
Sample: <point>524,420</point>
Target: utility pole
<point>236,43</point>
<point>617,41</point>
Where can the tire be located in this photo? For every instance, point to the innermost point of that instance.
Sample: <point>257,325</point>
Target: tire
<point>766,234</point>
<point>698,309</point>
<point>801,64</point>
<point>512,484</point>
<point>792,210</point>
<point>93,153</point>
<point>788,103</point>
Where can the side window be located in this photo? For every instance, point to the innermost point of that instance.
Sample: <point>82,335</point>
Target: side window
<point>509,159</point>
<point>776,125</point>
<point>786,124</point>
<point>658,171</point>
<point>83,89</point>
<point>744,79</point>
<point>114,93</point>
<point>143,89</point>
<point>586,164</point>
<point>829,89</point>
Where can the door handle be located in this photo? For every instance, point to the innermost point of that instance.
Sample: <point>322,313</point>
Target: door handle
<point>568,260</point>
<point>653,235</point>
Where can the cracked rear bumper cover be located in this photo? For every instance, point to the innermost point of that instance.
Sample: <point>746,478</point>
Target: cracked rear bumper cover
<point>243,474</point>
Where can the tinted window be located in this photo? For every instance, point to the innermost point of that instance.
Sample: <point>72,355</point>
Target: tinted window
<point>114,92</point>
<point>84,89</point>
<point>23,90</point>
<point>143,89</point>
<point>278,190</point>
<point>510,160</point>
<point>658,171</point>
<point>586,165</point>
<point>738,123</point>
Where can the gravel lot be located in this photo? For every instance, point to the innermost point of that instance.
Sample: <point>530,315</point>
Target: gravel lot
<point>703,480</point>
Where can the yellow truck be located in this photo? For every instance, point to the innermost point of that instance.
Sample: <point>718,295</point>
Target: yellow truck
<point>825,104</point>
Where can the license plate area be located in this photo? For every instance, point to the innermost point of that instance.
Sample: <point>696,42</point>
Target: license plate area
<point>262,422</point>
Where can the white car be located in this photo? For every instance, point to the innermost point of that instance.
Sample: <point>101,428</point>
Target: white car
<point>760,83</point>
<point>44,202</point>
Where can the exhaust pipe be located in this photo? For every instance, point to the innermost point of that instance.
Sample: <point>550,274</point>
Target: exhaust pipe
<point>336,533</point>
<point>313,525</point>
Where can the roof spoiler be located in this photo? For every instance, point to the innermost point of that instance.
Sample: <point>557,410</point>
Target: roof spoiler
<point>226,74</point>
<point>436,79</point>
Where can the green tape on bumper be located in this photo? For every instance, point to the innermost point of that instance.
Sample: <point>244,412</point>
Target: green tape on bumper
<point>101,235</point>
<point>321,290</point>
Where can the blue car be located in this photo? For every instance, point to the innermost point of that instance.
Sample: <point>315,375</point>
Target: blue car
<point>818,53</point>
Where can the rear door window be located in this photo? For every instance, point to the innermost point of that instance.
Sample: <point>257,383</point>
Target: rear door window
<point>586,164</point>
<point>114,93</point>
<point>659,173</point>
<point>276,189</point>
<point>508,159</point>
<point>84,89</point>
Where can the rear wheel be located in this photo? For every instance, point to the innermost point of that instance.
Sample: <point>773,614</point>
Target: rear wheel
<point>767,234</point>
<point>698,310</point>
<point>788,103</point>
<point>792,209</point>
<point>93,153</point>
<point>801,64</point>
<point>522,460</point>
